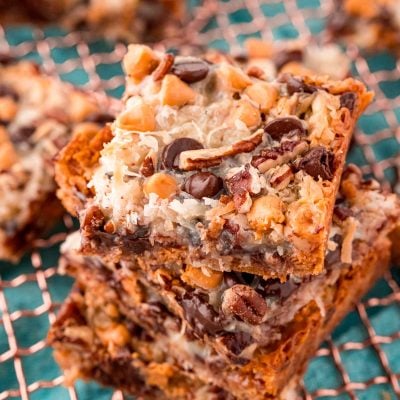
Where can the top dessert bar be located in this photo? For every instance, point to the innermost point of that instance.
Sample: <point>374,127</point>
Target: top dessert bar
<point>37,117</point>
<point>122,19</point>
<point>371,24</point>
<point>210,166</point>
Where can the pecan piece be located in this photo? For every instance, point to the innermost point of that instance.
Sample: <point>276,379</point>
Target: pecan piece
<point>244,303</point>
<point>282,177</point>
<point>204,158</point>
<point>286,152</point>
<point>164,67</point>
<point>147,168</point>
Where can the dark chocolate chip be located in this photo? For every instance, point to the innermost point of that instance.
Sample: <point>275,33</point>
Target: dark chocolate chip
<point>244,303</point>
<point>287,56</point>
<point>200,315</point>
<point>190,71</point>
<point>348,100</point>
<point>241,56</point>
<point>295,85</point>
<point>203,184</point>
<point>100,118</point>
<point>342,212</point>
<point>164,67</point>
<point>236,342</point>
<point>22,134</point>
<point>7,91</point>
<point>280,127</point>
<point>280,290</point>
<point>6,59</point>
<point>170,154</point>
<point>318,162</point>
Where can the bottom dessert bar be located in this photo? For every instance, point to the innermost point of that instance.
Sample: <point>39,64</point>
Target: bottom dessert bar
<point>238,331</point>
<point>96,337</point>
<point>88,345</point>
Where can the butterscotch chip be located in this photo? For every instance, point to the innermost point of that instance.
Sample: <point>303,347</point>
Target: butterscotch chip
<point>139,61</point>
<point>264,94</point>
<point>247,113</point>
<point>175,92</point>
<point>257,48</point>
<point>202,277</point>
<point>163,185</point>
<point>138,118</point>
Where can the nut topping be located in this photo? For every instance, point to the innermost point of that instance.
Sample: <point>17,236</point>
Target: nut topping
<point>170,154</point>
<point>164,67</point>
<point>197,159</point>
<point>244,303</point>
<point>203,184</point>
<point>282,177</point>
<point>280,127</point>
<point>147,169</point>
<point>318,162</point>
<point>286,152</point>
<point>190,71</point>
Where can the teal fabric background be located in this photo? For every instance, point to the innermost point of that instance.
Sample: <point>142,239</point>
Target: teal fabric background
<point>361,365</point>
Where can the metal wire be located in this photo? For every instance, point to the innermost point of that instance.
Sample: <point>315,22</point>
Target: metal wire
<point>214,23</point>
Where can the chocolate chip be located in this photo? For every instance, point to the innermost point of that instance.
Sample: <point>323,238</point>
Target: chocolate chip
<point>318,162</point>
<point>241,56</point>
<point>236,342</point>
<point>287,56</point>
<point>280,127</point>
<point>22,134</point>
<point>7,91</point>
<point>296,85</point>
<point>348,100</point>
<point>100,118</point>
<point>281,290</point>
<point>228,239</point>
<point>190,71</point>
<point>203,184</point>
<point>6,59</point>
<point>244,303</point>
<point>342,212</point>
<point>164,67</point>
<point>170,154</point>
<point>200,315</point>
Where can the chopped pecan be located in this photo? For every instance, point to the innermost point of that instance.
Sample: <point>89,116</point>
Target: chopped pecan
<point>239,185</point>
<point>255,72</point>
<point>286,152</point>
<point>164,67</point>
<point>204,158</point>
<point>147,169</point>
<point>282,177</point>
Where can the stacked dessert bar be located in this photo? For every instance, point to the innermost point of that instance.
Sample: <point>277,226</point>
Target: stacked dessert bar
<point>221,236</point>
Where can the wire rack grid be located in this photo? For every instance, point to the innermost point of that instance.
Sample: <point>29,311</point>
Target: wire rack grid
<point>361,360</point>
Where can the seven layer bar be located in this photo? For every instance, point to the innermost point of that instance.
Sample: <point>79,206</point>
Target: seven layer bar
<point>195,333</point>
<point>211,167</point>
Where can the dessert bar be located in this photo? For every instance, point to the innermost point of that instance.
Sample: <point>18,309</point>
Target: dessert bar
<point>133,20</point>
<point>211,166</point>
<point>235,330</point>
<point>370,24</point>
<point>37,117</point>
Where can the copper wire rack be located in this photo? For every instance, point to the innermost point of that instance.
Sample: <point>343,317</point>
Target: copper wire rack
<point>361,360</point>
